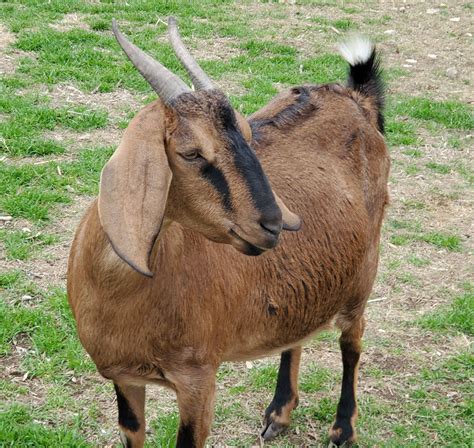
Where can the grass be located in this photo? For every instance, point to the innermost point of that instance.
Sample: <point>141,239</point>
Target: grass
<point>458,316</point>
<point>31,116</point>
<point>420,401</point>
<point>47,326</point>
<point>406,233</point>
<point>451,114</point>
<point>21,245</point>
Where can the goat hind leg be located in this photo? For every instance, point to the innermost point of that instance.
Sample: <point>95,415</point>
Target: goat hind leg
<point>278,413</point>
<point>343,429</point>
<point>131,414</point>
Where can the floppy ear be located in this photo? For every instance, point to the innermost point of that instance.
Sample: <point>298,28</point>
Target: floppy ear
<point>290,220</point>
<point>134,188</point>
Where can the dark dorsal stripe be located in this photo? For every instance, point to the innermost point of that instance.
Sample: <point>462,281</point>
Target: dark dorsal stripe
<point>301,108</point>
<point>217,179</point>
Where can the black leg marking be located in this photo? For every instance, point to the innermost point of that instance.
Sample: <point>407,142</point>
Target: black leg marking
<point>127,419</point>
<point>186,436</point>
<point>283,392</point>
<point>347,406</point>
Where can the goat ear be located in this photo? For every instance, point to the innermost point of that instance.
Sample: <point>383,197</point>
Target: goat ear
<point>290,220</point>
<point>134,188</point>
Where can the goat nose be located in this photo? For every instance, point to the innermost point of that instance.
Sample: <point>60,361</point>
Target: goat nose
<point>272,226</point>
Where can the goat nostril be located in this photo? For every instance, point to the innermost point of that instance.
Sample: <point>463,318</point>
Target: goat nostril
<point>271,227</point>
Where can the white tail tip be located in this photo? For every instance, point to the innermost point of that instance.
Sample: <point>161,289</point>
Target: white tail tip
<point>356,50</point>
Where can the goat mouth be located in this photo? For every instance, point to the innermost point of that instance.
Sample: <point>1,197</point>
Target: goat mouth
<point>245,246</point>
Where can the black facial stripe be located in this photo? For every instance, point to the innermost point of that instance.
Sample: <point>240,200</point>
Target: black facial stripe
<point>247,163</point>
<point>249,167</point>
<point>126,417</point>
<point>217,179</point>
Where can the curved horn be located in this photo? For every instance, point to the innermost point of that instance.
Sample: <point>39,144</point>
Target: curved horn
<point>200,80</point>
<point>166,84</point>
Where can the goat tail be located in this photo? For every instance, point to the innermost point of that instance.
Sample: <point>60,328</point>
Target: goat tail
<point>365,74</point>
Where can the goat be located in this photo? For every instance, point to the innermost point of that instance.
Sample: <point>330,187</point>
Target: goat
<point>157,301</point>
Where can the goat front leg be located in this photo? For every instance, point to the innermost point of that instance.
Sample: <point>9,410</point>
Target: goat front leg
<point>131,414</point>
<point>195,393</point>
<point>278,413</point>
<point>343,429</point>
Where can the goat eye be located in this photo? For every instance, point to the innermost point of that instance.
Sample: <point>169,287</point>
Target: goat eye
<point>191,155</point>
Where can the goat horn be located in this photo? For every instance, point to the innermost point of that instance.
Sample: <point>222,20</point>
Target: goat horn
<point>166,84</point>
<point>200,80</point>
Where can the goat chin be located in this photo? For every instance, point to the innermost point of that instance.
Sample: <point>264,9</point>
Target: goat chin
<point>323,152</point>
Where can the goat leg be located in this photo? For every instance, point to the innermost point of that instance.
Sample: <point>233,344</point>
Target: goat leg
<point>278,413</point>
<point>343,429</point>
<point>196,407</point>
<point>131,414</point>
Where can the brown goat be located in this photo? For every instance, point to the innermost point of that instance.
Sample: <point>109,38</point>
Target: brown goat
<point>157,301</point>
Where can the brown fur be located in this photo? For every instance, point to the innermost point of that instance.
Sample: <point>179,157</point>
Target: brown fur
<point>207,303</point>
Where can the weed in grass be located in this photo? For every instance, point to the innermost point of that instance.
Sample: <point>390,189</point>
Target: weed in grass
<point>418,262</point>
<point>408,278</point>
<point>21,245</point>
<point>458,316</point>
<point>393,265</point>
<point>412,170</point>
<point>413,204</point>
<point>401,240</point>
<point>397,224</point>
<point>442,240</point>
<point>438,168</point>
<point>344,24</point>
<point>465,171</point>
<point>454,142</point>
<point>165,427</point>
<point>412,152</point>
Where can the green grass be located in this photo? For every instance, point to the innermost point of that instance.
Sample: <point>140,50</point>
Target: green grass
<point>48,328</point>
<point>405,233</point>
<point>316,378</point>
<point>459,315</point>
<point>31,116</point>
<point>31,191</point>
<point>21,245</point>
<point>263,377</point>
<point>438,168</point>
<point>19,428</point>
<point>451,114</point>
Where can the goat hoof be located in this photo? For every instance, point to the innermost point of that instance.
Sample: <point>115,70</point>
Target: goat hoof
<point>272,429</point>
<point>340,438</point>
